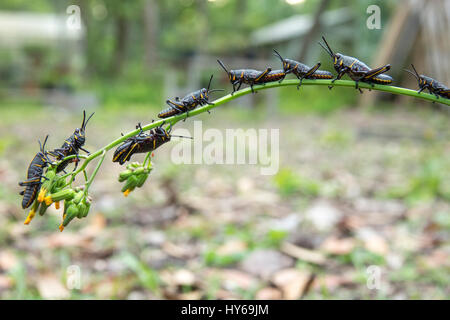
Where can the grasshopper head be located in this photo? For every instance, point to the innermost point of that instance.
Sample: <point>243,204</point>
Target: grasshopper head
<point>421,79</point>
<point>80,133</point>
<point>338,58</point>
<point>232,75</point>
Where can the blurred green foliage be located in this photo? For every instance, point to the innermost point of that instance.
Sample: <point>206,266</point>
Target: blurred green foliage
<point>290,183</point>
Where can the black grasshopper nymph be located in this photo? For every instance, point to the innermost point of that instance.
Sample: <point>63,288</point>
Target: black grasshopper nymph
<point>34,175</point>
<point>251,76</point>
<point>189,102</point>
<point>72,145</point>
<point>302,71</point>
<point>434,87</point>
<point>356,69</point>
<point>142,143</point>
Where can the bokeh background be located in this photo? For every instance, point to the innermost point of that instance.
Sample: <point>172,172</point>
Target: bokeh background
<point>358,210</point>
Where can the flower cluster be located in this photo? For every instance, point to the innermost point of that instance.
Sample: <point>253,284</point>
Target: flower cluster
<point>53,190</point>
<point>134,176</point>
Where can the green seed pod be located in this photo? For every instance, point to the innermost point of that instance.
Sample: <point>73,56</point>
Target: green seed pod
<point>50,175</point>
<point>130,184</point>
<point>78,196</point>
<point>124,175</point>
<point>88,207</point>
<point>138,171</point>
<point>72,212</point>
<point>66,194</point>
<point>61,182</point>
<point>42,208</point>
<point>81,209</point>
<point>141,179</point>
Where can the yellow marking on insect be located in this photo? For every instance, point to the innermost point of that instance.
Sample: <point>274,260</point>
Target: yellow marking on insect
<point>351,64</point>
<point>31,198</point>
<point>34,180</point>
<point>340,63</point>
<point>201,95</point>
<point>119,154</point>
<point>154,144</point>
<point>262,75</point>
<point>378,72</point>
<point>30,217</point>
<point>129,153</point>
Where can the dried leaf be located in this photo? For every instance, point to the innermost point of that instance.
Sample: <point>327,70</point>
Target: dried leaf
<point>183,277</point>
<point>292,282</point>
<point>232,247</point>
<point>8,260</point>
<point>233,279</point>
<point>337,246</point>
<point>302,253</point>
<point>50,287</point>
<point>264,262</point>
<point>268,293</point>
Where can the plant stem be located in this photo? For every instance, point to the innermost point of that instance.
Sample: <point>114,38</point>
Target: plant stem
<point>174,119</point>
<point>88,184</point>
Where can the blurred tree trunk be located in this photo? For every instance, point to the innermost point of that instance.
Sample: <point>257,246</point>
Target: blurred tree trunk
<point>151,22</point>
<point>121,25</point>
<point>314,28</point>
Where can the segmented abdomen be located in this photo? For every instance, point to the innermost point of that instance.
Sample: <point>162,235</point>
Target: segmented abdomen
<point>445,93</point>
<point>321,74</point>
<point>275,75</point>
<point>122,153</point>
<point>30,194</point>
<point>381,79</point>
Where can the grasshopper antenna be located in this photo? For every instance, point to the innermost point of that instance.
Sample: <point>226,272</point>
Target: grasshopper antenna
<point>279,55</point>
<point>222,65</point>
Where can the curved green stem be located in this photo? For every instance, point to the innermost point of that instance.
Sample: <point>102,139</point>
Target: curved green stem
<point>89,182</point>
<point>338,83</point>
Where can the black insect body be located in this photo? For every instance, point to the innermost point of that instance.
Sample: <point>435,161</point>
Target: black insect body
<point>274,75</point>
<point>357,70</point>
<point>302,71</point>
<point>72,145</point>
<point>434,87</point>
<point>34,176</point>
<point>251,76</point>
<point>142,143</point>
<point>189,102</point>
